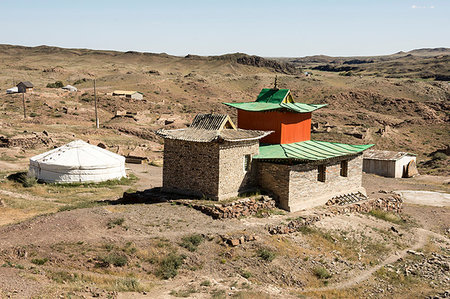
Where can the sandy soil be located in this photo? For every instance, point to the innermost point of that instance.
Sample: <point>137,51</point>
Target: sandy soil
<point>429,198</point>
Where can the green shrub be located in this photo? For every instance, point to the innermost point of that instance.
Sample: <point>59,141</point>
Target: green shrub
<point>266,254</point>
<point>168,267</point>
<point>114,222</point>
<point>127,285</point>
<point>246,274</point>
<point>322,273</point>
<point>57,84</point>
<point>191,242</point>
<point>205,283</point>
<point>23,178</point>
<point>32,114</point>
<point>39,261</point>
<point>439,156</point>
<point>115,259</point>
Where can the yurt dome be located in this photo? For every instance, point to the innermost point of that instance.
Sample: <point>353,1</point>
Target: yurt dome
<point>77,161</point>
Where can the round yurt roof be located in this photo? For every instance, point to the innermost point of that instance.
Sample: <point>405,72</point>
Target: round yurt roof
<point>78,155</point>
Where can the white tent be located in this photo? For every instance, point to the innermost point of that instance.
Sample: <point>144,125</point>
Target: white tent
<point>14,89</point>
<point>70,88</point>
<point>77,161</point>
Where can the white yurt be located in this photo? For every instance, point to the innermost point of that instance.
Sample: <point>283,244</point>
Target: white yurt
<point>75,162</point>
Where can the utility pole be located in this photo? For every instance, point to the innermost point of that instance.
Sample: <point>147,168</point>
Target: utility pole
<point>23,102</point>
<point>97,124</point>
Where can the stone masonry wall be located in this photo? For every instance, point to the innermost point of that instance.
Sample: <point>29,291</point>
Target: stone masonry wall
<point>191,168</point>
<point>274,179</point>
<point>306,191</point>
<point>233,179</point>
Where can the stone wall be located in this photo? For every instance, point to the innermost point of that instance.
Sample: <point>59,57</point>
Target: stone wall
<point>390,204</point>
<point>297,187</point>
<point>306,191</point>
<point>233,179</point>
<point>274,179</point>
<point>191,168</point>
<point>236,209</point>
<point>211,169</point>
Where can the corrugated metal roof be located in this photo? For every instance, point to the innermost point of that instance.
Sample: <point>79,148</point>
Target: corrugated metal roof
<point>385,155</point>
<point>309,150</point>
<point>271,95</point>
<point>202,135</point>
<point>212,122</point>
<point>257,106</point>
<point>27,84</point>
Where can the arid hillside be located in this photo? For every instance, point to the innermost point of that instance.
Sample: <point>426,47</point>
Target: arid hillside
<point>367,105</point>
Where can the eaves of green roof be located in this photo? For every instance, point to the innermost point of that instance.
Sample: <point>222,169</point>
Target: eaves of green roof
<point>309,150</point>
<point>269,95</point>
<point>258,106</point>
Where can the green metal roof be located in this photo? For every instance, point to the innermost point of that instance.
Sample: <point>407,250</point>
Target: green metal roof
<point>309,150</point>
<point>269,95</point>
<point>262,106</point>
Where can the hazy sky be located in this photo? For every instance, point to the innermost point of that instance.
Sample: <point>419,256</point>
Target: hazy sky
<point>266,28</point>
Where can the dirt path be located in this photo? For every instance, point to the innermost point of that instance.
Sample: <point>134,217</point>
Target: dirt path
<point>357,278</point>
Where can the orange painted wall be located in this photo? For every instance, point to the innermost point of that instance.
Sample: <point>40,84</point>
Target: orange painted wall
<point>288,127</point>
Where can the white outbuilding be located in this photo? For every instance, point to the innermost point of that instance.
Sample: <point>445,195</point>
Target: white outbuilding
<point>390,164</point>
<point>70,88</point>
<point>76,162</point>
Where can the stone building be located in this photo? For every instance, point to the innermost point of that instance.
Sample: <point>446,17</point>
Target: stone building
<point>211,158</point>
<point>299,172</point>
<point>215,159</point>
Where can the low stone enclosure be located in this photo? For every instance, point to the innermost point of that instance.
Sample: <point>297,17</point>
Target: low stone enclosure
<point>263,205</point>
<point>393,203</point>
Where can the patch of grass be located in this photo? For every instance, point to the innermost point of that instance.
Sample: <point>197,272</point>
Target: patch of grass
<point>39,261</point>
<point>386,216</point>
<point>82,205</point>
<point>321,273</point>
<point>183,293</point>
<point>118,260</point>
<point>205,283</point>
<point>115,222</point>
<point>63,276</point>
<point>266,254</point>
<point>109,183</point>
<point>168,267</point>
<point>246,274</point>
<point>305,229</point>
<point>128,284</point>
<point>191,242</point>
<point>218,294</point>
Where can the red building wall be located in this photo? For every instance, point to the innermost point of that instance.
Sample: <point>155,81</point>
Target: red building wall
<point>288,127</point>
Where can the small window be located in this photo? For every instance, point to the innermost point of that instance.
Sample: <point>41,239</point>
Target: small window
<point>247,162</point>
<point>344,168</point>
<point>321,169</point>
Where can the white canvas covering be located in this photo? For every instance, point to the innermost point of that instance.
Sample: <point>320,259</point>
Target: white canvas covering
<point>12,90</point>
<point>77,161</point>
<point>70,88</point>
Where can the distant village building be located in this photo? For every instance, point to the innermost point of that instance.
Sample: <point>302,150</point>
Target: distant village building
<point>70,88</point>
<point>135,95</point>
<point>25,86</point>
<point>390,164</point>
<point>299,173</point>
